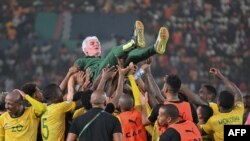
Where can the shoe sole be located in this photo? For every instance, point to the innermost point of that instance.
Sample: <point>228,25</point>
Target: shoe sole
<point>162,40</point>
<point>139,29</point>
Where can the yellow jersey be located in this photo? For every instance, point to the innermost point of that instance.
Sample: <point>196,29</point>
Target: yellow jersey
<point>214,107</point>
<point>215,125</point>
<point>53,121</point>
<point>22,128</point>
<point>155,133</point>
<point>79,112</point>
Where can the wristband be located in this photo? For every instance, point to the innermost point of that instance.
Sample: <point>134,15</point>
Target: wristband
<point>138,74</point>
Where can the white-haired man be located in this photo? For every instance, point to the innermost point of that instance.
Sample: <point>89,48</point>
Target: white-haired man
<point>92,49</point>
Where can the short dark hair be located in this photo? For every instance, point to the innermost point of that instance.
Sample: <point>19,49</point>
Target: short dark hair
<point>211,90</point>
<point>226,100</point>
<point>85,99</point>
<point>29,88</point>
<point>171,111</point>
<point>206,112</point>
<point>50,91</point>
<point>174,83</point>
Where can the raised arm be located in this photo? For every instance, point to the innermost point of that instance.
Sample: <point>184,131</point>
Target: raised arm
<point>71,89</point>
<point>151,97</point>
<point>135,89</point>
<point>86,84</point>
<point>96,82</point>
<point>141,84</point>
<point>39,107</point>
<point>119,89</point>
<point>230,85</point>
<point>144,102</point>
<point>192,97</point>
<point>77,78</point>
<point>152,86</point>
<point>106,75</point>
<point>111,84</point>
<point>71,71</point>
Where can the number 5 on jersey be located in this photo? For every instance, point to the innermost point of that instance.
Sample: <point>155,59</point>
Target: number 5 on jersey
<point>45,127</point>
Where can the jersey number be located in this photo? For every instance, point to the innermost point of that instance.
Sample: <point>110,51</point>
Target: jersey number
<point>17,128</point>
<point>45,127</point>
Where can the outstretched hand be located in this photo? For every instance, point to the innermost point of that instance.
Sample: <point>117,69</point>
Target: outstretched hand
<point>132,68</point>
<point>87,82</point>
<point>73,69</point>
<point>108,72</point>
<point>216,72</point>
<point>80,76</point>
<point>123,71</point>
<point>149,60</point>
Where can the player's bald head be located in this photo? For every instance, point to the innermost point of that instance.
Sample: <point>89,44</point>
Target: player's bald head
<point>98,97</point>
<point>126,102</point>
<point>15,96</point>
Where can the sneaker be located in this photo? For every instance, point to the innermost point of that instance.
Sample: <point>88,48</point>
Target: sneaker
<point>162,39</point>
<point>139,34</point>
